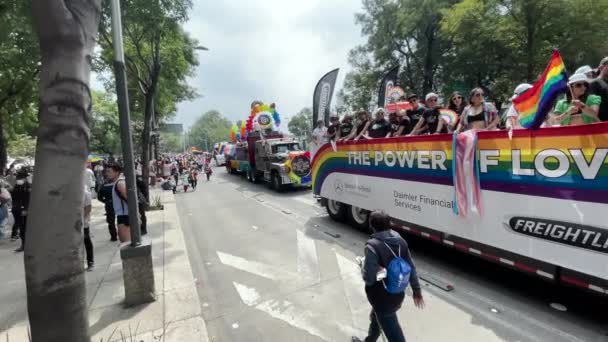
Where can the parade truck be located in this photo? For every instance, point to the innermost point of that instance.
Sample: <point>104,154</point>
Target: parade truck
<point>536,201</point>
<point>273,158</point>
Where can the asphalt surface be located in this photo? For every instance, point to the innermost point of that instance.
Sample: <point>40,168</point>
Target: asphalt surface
<point>274,267</point>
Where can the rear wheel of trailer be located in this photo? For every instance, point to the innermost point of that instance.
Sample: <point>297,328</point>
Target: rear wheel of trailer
<point>336,210</point>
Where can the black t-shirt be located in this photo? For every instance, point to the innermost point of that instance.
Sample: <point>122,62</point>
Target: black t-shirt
<point>331,130</point>
<point>345,129</point>
<point>431,118</point>
<point>599,87</point>
<point>415,115</point>
<point>379,129</point>
<point>397,124</point>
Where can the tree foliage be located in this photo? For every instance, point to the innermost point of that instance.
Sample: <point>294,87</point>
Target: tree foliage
<point>105,131</point>
<point>300,124</point>
<point>22,145</point>
<point>446,45</point>
<point>171,142</point>
<point>19,69</point>
<point>210,128</point>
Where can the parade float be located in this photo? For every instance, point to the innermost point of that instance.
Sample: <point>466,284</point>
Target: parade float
<point>533,199</point>
<point>263,154</point>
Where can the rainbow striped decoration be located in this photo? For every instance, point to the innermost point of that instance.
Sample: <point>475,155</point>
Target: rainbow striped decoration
<point>534,104</point>
<point>449,116</point>
<point>569,162</point>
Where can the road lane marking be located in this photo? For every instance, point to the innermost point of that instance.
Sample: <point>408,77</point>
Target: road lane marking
<point>306,200</point>
<point>353,290</point>
<point>288,313</point>
<point>308,259</point>
<point>249,295</point>
<point>253,267</point>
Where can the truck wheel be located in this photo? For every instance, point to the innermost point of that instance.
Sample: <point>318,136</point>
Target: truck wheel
<point>276,182</point>
<point>336,210</point>
<point>359,218</point>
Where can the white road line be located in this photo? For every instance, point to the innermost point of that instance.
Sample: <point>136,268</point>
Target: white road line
<point>308,259</point>
<point>253,267</point>
<point>291,315</point>
<point>249,295</point>
<point>306,200</point>
<point>353,290</point>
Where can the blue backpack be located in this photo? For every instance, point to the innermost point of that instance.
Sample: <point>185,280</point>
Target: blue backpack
<point>397,273</point>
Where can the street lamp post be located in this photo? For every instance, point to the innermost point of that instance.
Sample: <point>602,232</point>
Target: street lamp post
<point>138,274</point>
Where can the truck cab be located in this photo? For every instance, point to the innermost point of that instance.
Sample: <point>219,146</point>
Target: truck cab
<point>272,161</point>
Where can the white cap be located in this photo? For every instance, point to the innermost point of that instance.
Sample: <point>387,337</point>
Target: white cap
<point>430,96</point>
<point>578,78</point>
<point>520,89</point>
<point>583,70</point>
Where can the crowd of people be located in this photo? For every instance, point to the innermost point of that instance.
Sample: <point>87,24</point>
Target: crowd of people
<point>585,101</point>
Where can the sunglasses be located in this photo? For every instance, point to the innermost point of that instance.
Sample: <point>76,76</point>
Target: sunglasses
<point>478,95</point>
<point>579,85</point>
<point>431,100</point>
<point>457,98</point>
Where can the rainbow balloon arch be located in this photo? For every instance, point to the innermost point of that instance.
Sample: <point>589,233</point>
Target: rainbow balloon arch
<point>262,117</point>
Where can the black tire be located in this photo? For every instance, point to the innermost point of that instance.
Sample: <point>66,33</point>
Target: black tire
<point>358,218</point>
<point>336,210</point>
<point>276,183</point>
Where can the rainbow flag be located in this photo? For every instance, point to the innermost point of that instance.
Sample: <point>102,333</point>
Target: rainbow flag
<point>534,104</point>
<point>449,116</point>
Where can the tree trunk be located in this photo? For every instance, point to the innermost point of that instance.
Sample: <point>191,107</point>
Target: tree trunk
<point>56,291</point>
<point>145,141</point>
<point>3,152</point>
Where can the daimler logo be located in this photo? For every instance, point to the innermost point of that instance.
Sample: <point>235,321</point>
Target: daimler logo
<point>338,186</point>
<point>572,234</point>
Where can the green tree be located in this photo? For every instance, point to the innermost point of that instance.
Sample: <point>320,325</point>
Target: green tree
<point>300,124</point>
<point>171,142</point>
<point>22,145</point>
<point>160,56</point>
<point>212,127</point>
<point>105,134</point>
<point>19,69</point>
<point>498,43</point>
<point>54,271</point>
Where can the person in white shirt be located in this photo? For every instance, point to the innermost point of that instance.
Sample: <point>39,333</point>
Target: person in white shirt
<point>512,114</point>
<point>319,137</point>
<point>89,178</point>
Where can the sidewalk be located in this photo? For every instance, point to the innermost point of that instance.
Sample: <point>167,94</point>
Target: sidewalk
<point>174,316</point>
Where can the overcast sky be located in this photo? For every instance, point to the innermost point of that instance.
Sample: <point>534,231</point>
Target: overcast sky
<point>271,50</point>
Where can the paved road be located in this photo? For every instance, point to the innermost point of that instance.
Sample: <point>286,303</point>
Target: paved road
<point>274,267</point>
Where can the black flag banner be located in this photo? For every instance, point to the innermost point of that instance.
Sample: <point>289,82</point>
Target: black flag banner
<point>390,80</point>
<point>322,97</point>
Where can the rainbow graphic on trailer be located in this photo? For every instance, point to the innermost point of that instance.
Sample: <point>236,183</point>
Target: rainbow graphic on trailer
<point>569,163</point>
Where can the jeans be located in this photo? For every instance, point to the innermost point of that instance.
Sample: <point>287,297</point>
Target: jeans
<point>390,326</point>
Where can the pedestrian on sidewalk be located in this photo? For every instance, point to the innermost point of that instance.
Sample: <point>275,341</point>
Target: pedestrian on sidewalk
<point>105,197</point>
<point>387,252</point>
<point>5,201</point>
<point>88,244</point>
<point>21,201</point>
<point>119,202</point>
<point>185,183</point>
<point>142,204</point>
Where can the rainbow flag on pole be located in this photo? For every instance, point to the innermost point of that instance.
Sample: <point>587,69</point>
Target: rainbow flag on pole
<point>534,104</point>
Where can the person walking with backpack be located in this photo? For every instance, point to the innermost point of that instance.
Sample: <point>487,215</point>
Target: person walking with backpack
<point>387,270</point>
<point>105,196</point>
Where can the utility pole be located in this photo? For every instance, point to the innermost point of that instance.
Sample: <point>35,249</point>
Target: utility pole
<point>138,273</point>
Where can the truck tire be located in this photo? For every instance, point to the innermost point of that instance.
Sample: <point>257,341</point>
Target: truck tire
<point>336,210</point>
<point>275,182</point>
<point>359,218</point>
